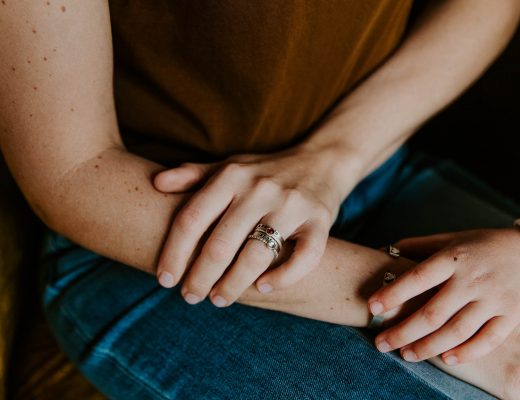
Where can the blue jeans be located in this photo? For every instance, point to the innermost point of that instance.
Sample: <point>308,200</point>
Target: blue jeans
<point>136,340</point>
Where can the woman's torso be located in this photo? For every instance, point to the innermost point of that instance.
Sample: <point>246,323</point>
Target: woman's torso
<point>201,80</point>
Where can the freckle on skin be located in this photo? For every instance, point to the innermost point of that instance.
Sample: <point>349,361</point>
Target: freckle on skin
<point>13,68</point>
<point>332,308</point>
<point>136,188</point>
<point>63,9</point>
<point>96,166</point>
<point>33,30</point>
<point>28,61</point>
<point>455,258</point>
<point>44,58</point>
<point>347,298</point>
<point>72,109</point>
<point>35,87</point>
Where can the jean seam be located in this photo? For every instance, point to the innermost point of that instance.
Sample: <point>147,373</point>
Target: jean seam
<point>401,366</point>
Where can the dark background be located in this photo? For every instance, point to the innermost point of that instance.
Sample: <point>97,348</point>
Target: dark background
<point>481,130</point>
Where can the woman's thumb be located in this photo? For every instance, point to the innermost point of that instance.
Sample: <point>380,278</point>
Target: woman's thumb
<point>181,178</point>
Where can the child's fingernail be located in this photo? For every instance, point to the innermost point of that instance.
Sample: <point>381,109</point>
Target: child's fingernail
<point>265,288</point>
<point>376,307</point>
<point>451,360</point>
<point>383,346</point>
<point>409,355</point>
<point>165,279</point>
<point>219,301</point>
<point>191,298</point>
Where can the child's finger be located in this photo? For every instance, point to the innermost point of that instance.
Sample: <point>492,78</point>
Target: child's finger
<point>430,317</point>
<point>421,247</point>
<point>456,331</point>
<point>419,279</point>
<point>492,335</point>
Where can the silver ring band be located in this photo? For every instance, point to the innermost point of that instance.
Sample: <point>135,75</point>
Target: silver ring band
<point>269,241</point>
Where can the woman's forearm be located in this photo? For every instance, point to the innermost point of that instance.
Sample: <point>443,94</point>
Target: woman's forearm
<point>336,291</point>
<point>450,45</point>
<point>109,205</point>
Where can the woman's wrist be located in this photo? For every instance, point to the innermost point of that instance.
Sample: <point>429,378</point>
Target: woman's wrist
<point>342,166</point>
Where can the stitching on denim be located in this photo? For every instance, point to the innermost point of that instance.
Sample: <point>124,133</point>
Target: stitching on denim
<point>401,366</point>
<point>128,372</point>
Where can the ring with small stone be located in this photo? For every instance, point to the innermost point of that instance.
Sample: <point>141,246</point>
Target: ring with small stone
<point>269,236</point>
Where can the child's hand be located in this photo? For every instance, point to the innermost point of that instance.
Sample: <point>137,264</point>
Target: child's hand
<point>478,302</point>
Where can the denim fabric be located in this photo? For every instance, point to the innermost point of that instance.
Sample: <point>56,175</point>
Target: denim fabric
<point>136,340</point>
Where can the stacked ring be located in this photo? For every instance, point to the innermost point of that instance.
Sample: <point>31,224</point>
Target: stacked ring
<point>269,236</point>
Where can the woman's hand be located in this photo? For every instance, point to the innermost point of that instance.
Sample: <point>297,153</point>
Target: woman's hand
<point>477,274</point>
<point>296,191</point>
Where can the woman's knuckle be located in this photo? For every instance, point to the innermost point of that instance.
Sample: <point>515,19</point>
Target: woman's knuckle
<point>266,185</point>
<point>217,249</point>
<point>188,218</point>
<point>293,197</point>
<point>232,171</point>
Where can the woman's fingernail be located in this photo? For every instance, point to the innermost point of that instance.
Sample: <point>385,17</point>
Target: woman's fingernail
<point>219,301</point>
<point>265,288</point>
<point>376,307</point>
<point>191,298</point>
<point>165,279</point>
<point>451,360</point>
<point>409,355</point>
<point>383,346</point>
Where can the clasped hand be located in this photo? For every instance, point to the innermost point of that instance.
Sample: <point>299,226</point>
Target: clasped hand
<point>297,192</point>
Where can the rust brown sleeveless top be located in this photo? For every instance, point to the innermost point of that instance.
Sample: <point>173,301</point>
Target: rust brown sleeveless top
<point>201,80</point>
